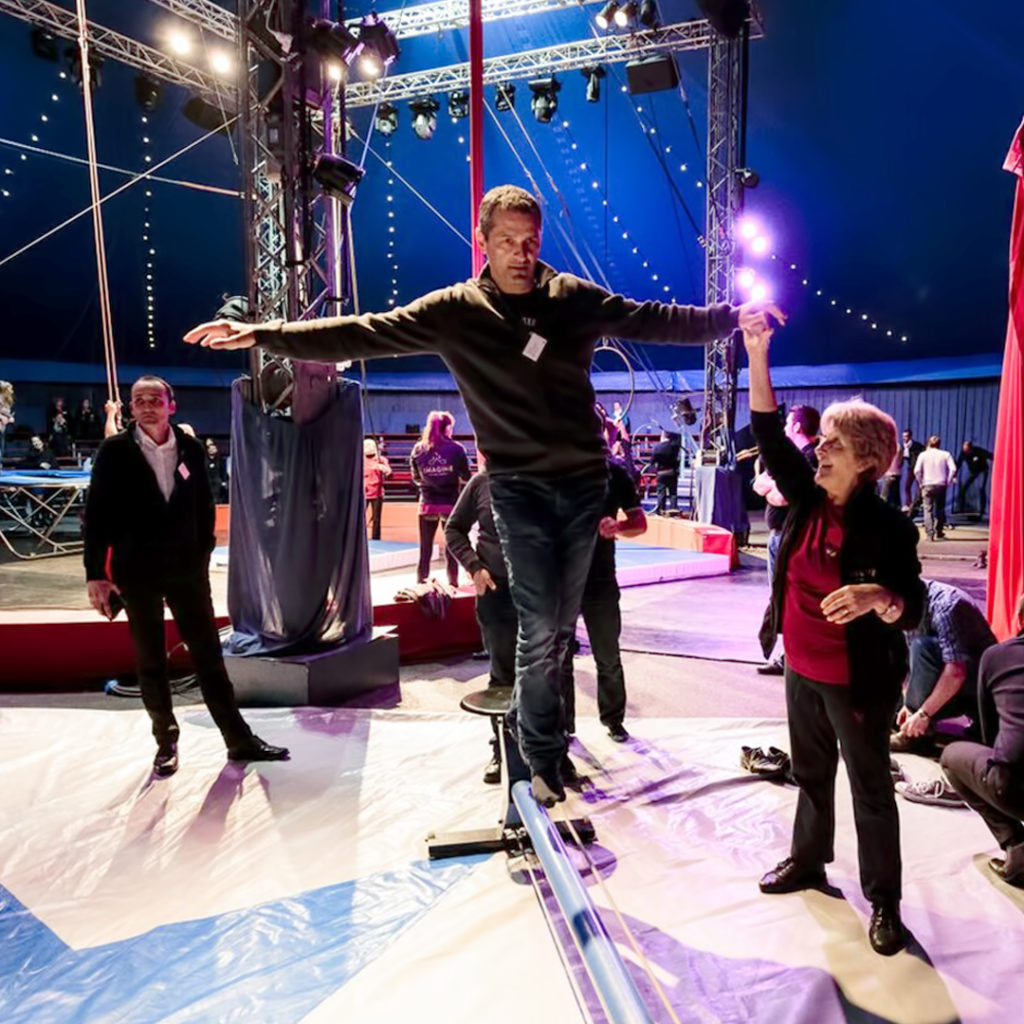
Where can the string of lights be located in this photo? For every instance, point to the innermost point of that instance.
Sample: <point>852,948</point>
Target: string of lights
<point>147,247</point>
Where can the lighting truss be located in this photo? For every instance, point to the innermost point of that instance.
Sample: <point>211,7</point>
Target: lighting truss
<point>114,46</point>
<point>204,14</point>
<point>613,49</point>
<point>724,204</point>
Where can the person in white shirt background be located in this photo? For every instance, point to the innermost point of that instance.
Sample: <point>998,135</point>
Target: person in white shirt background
<point>934,471</point>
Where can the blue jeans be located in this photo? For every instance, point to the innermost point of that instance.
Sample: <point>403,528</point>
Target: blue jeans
<point>547,528</point>
<point>926,666</point>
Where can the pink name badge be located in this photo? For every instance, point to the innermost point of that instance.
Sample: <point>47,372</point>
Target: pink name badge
<point>183,471</point>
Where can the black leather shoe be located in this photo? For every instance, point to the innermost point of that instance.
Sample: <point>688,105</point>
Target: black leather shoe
<point>618,733</point>
<point>885,933</point>
<point>569,775</point>
<point>789,876</point>
<point>772,668</point>
<point>257,750</point>
<point>492,773</point>
<point>997,865</point>
<point>166,761</point>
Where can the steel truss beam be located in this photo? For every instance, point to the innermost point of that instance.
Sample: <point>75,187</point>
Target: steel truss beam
<point>726,68</point>
<point>611,49</point>
<point>114,46</point>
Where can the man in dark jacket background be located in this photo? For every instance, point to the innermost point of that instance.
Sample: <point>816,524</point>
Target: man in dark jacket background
<point>148,538</point>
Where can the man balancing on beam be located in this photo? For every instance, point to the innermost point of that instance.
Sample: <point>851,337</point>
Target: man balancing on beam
<point>148,538</point>
<point>518,340</point>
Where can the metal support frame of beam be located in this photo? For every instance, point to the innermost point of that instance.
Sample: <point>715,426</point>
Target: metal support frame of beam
<point>114,46</point>
<point>726,69</point>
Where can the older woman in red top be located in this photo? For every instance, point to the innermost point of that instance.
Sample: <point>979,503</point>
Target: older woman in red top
<point>375,468</point>
<point>847,581</point>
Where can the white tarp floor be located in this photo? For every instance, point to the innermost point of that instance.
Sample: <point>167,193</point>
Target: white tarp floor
<point>301,891</point>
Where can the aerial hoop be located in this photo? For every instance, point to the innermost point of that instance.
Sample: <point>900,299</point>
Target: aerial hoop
<point>611,346</point>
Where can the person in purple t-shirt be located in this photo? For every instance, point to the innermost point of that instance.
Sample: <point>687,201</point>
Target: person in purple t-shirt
<point>438,466</point>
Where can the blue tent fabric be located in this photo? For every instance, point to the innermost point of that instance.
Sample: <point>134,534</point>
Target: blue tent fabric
<point>298,574</point>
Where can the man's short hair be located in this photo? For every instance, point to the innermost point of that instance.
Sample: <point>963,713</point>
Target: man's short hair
<point>934,441</point>
<point>871,432</point>
<point>807,418</point>
<point>151,378</point>
<point>510,198</point>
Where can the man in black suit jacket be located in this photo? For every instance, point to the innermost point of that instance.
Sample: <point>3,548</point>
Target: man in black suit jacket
<point>909,451</point>
<point>148,537</point>
<point>990,775</point>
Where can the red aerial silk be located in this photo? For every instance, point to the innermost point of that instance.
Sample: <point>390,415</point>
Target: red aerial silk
<point>1006,536</point>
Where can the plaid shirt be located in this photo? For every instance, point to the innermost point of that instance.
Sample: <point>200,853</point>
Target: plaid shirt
<point>953,619</point>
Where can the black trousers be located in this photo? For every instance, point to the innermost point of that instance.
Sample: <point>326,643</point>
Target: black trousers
<point>375,506</point>
<point>499,626</point>
<point>668,492</point>
<point>190,602</point>
<point>820,716</point>
<point>995,793</point>
<point>603,619</point>
<point>428,530</point>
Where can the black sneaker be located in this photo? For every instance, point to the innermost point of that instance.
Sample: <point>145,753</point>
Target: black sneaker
<point>618,732</point>
<point>547,787</point>
<point>775,667</point>
<point>165,763</point>
<point>492,773</point>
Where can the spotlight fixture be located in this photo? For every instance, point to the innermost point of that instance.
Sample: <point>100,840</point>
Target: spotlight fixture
<point>649,14</point>
<point>386,121</point>
<point>593,75</point>
<point>380,47</point>
<point>44,44</point>
<point>458,104</point>
<point>333,41</point>
<point>544,102</point>
<point>147,92</point>
<point>205,115</point>
<point>337,176</point>
<point>74,59</point>
<point>747,177</point>
<point>504,96</point>
<point>424,116</point>
<point>604,18</point>
<point>625,14</point>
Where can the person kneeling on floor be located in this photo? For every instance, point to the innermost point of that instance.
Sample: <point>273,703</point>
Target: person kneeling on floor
<point>990,775</point>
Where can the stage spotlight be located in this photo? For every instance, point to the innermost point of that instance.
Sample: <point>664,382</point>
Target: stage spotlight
<point>544,102</point>
<point>745,278</point>
<point>74,59</point>
<point>380,47</point>
<point>625,14</point>
<point>147,92</point>
<point>387,119</point>
<point>649,14</point>
<point>333,41</point>
<point>726,16</point>
<point>504,96</point>
<point>760,292</point>
<point>759,245</point>
<point>748,177</point>
<point>205,115</point>
<point>685,411</point>
<point>604,18</point>
<point>747,228</point>
<point>44,44</point>
<point>337,176</point>
<point>424,117</point>
<point>221,63</point>
<point>179,42</point>
<point>458,104</point>
<point>593,75</point>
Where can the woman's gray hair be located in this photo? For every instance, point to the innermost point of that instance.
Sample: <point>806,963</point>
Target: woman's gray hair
<point>871,432</point>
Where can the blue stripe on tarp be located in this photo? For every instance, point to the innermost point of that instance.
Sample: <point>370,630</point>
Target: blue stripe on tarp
<point>643,554</point>
<point>27,477</point>
<point>274,962</point>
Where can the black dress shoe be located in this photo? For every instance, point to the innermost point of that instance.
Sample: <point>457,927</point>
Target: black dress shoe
<point>256,749</point>
<point>618,733</point>
<point>772,668</point>
<point>166,761</point>
<point>789,876</point>
<point>997,865</point>
<point>885,933</point>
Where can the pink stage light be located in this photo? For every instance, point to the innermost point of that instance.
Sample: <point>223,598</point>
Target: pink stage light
<point>748,228</point>
<point>745,278</point>
<point>759,245</point>
<point>760,292</point>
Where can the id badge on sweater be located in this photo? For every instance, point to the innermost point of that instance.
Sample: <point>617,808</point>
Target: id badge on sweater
<point>535,345</point>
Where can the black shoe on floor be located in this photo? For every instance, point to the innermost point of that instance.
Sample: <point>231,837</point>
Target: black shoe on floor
<point>547,787</point>
<point>492,773</point>
<point>775,667</point>
<point>788,876</point>
<point>618,733</point>
<point>885,933</point>
<point>256,749</point>
<point>166,761</point>
<point>569,774</point>
<point>997,865</point>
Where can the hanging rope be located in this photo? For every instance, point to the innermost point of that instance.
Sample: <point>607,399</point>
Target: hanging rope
<point>106,318</point>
